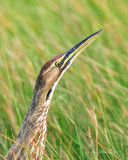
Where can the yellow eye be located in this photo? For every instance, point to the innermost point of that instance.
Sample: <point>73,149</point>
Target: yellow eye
<point>58,64</point>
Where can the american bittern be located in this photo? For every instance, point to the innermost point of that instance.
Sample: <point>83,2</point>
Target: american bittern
<point>32,133</point>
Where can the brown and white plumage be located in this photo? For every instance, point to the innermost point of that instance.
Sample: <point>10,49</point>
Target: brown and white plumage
<point>32,136</point>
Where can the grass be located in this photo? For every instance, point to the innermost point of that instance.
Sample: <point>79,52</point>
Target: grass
<point>91,99</point>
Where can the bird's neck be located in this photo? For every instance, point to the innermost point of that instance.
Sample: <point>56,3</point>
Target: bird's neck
<point>32,133</point>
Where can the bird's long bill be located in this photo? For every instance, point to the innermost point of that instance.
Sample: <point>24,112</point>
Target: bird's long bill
<point>70,55</point>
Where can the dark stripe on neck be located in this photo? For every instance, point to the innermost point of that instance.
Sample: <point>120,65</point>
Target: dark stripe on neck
<point>50,90</point>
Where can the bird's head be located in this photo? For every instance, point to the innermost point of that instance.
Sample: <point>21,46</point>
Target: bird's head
<point>53,70</point>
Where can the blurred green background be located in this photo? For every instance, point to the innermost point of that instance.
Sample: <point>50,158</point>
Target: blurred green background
<point>93,93</point>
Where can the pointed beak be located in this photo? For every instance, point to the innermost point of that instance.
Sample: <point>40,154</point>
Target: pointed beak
<point>71,55</point>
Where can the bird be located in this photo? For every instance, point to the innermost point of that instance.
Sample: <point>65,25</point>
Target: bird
<point>30,143</point>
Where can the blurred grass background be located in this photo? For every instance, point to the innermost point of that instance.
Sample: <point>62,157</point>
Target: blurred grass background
<point>93,92</point>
